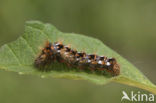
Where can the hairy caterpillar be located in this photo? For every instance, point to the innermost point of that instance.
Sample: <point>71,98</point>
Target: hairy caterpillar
<point>64,54</point>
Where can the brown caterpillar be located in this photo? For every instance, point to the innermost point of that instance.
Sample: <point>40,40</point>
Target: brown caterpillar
<point>64,54</point>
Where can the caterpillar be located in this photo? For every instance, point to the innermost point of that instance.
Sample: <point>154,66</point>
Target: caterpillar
<point>61,53</point>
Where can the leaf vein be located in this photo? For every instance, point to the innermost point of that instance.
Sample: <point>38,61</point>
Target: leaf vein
<point>41,31</point>
<point>14,55</point>
<point>29,45</point>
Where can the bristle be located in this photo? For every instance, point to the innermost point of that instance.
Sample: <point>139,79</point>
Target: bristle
<point>71,57</point>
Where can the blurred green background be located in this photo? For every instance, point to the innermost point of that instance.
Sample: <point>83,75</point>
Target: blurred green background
<point>127,26</point>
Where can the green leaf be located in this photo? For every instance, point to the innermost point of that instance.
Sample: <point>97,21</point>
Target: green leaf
<point>19,56</point>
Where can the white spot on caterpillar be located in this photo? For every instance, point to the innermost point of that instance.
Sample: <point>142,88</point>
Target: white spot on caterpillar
<point>108,63</point>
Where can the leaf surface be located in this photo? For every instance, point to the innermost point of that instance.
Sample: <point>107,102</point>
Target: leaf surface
<point>19,56</point>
